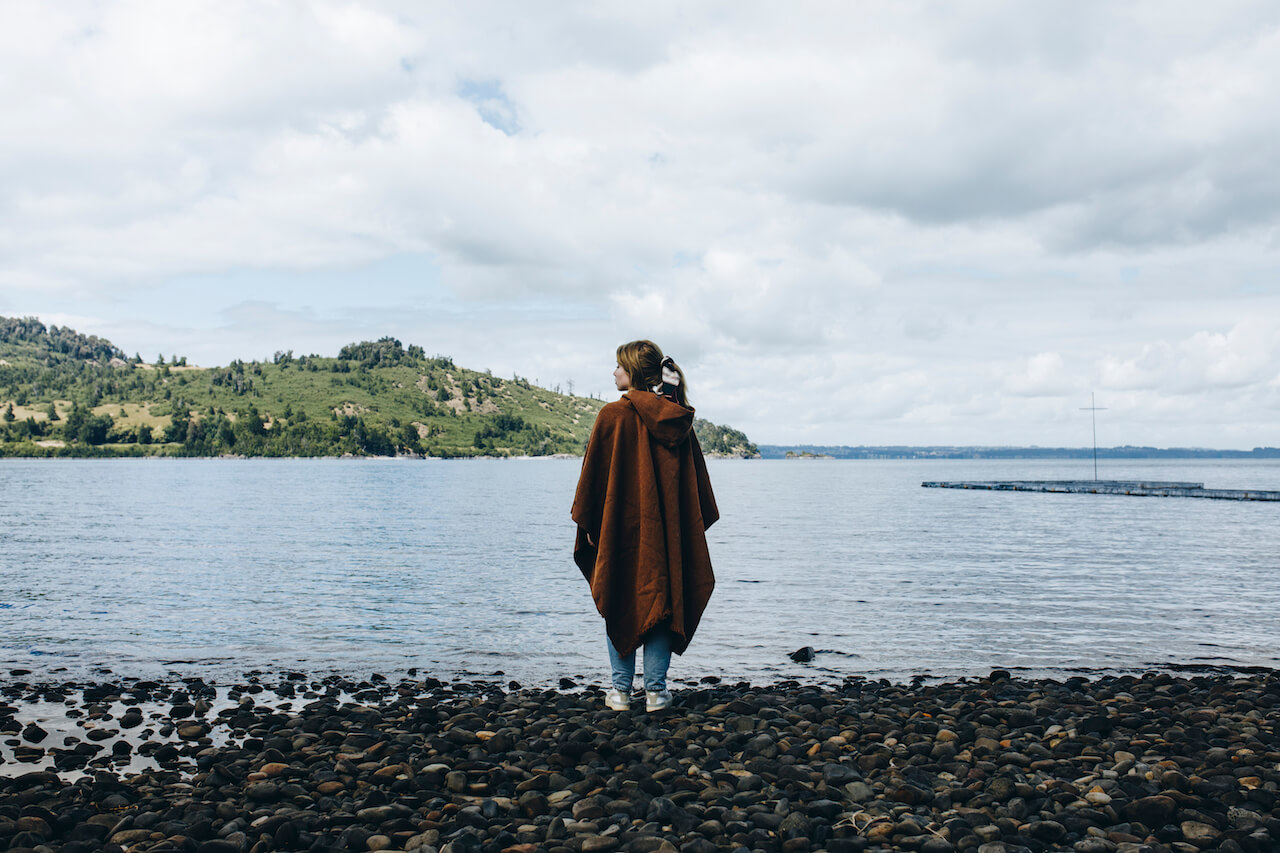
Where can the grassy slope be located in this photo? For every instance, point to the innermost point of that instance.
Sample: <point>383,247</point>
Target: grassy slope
<point>379,394</point>
<point>409,392</point>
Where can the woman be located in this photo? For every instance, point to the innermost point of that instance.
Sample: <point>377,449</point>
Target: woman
<point>642,506</point>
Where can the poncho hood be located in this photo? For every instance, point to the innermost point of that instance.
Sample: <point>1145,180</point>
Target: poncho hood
<point>668,422</point>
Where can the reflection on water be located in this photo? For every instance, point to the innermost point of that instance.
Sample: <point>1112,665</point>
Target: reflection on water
<point>219,566</point>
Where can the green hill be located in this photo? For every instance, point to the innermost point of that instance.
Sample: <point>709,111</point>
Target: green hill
<point>67,394</point>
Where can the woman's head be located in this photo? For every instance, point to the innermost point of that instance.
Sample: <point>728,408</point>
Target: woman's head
<point>641,362</point>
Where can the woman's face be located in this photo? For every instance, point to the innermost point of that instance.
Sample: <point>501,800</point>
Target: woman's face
<point>621,379</point>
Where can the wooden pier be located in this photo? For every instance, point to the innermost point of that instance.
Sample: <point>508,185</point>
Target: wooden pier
<point>1110,487</point>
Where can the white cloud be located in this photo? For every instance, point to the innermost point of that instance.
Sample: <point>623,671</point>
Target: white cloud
<point>888,222</point>
<point>1042,375</point>
<point>1243,357</point>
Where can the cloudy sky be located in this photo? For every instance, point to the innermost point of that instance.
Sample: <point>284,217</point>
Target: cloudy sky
<point>855,223</point>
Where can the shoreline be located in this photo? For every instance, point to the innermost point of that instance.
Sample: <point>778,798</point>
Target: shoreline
<point>281,761</point>
<point>403,457</point>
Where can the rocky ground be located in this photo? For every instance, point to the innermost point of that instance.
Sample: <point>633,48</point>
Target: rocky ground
<point>1156,762</point>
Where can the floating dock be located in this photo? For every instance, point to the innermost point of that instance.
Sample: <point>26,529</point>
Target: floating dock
<point>1110,487</point>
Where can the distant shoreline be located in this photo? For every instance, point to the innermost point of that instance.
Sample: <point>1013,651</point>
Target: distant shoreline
<point>780,451</point>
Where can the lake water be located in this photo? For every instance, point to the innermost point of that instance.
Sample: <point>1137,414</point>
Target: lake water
<point>216,567</point>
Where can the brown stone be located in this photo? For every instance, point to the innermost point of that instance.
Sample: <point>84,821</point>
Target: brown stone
<point>1151,811</point>
<point>31,823</point>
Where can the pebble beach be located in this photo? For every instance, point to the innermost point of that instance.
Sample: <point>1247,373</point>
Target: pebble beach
<point>996,764</point>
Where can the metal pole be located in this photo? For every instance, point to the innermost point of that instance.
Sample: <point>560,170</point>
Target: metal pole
<point>1093,414</point>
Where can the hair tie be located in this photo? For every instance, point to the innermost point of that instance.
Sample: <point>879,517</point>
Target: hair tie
<point>669,374</point>
<point>670,380</point>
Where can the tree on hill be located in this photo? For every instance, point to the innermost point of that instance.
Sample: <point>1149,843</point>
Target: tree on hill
<point>384,351</point>
<point>52,340</point>
<point>85,427</point>
<point>723,440</point>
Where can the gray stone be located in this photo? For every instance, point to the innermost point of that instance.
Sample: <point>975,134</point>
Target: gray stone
<point>262,791</point>
<point>1198,833</point>
<point>1093,845</point>
<point>794,824</point>
<point>859,792</point>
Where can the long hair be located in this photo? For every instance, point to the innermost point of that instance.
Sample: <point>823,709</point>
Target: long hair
<point>642,360</point>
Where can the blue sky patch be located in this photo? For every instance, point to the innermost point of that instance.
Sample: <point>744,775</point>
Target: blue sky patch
<point>492,103</point>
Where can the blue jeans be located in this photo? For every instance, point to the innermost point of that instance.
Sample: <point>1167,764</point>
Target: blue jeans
<point>657,657</point>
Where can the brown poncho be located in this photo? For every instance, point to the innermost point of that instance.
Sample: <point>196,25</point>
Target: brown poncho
<point>645,500</point>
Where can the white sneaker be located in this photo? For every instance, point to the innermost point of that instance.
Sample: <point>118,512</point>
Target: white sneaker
<point>656,700</point>
<point>617,700</point>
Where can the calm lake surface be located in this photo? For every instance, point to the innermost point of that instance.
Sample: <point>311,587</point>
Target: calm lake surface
<point>217,567</point>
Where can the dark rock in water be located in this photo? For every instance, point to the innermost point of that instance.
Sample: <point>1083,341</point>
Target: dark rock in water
<point>802,655</point>
<point>192,731</point>
<point>34,733</point>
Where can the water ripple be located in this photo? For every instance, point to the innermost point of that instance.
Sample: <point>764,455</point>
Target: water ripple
<point>217,566</point>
